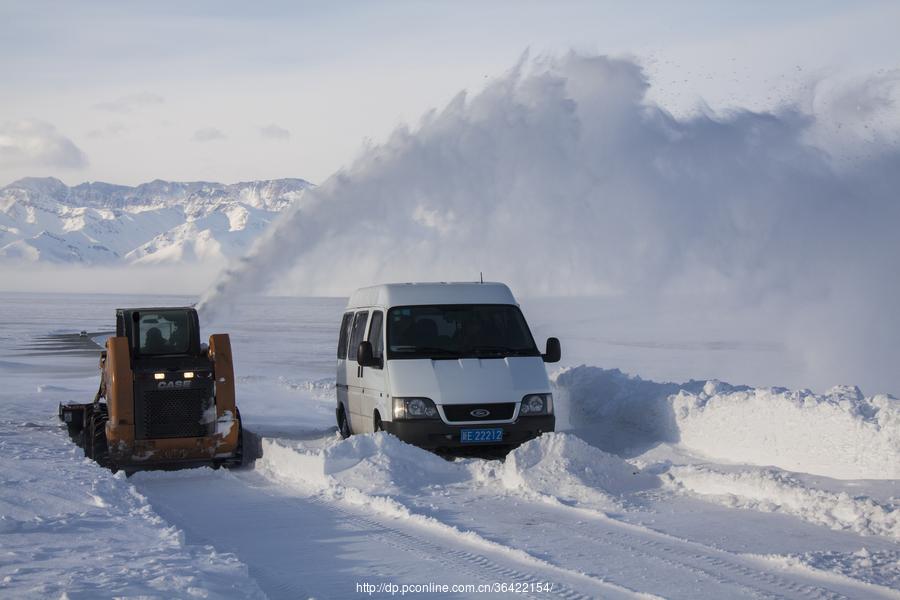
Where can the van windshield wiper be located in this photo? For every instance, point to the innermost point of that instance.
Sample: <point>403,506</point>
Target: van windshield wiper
<point>501,350</point>
<point>435,352</point>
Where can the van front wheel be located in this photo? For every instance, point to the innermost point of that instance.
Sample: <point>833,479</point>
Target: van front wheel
<point>342,422</point>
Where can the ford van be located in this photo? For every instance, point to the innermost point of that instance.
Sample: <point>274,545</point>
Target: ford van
<point>442,365</point>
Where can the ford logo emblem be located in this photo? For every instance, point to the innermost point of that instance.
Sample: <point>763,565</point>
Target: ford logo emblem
<point>478,413</point>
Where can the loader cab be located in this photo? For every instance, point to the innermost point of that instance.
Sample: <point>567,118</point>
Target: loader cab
<point>173,378</point>
<point>159,332</point>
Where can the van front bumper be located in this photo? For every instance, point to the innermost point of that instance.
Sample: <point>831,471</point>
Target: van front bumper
<point>434,433</point>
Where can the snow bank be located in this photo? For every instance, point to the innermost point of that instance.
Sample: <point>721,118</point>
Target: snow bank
<point>372,463</point>
<point>840,434</point>
<point>557,465</point>
<point>772,490</point>
<point>566,467</point>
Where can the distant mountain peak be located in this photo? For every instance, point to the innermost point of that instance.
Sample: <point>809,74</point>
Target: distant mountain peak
<point>41,185</point>
<point>44,220</point>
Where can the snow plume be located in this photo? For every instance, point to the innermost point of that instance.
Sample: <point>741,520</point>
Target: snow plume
<point>561,177</point>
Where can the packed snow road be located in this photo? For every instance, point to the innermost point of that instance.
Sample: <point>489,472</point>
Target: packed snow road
<point>637,500</point>
<point>307,545</point>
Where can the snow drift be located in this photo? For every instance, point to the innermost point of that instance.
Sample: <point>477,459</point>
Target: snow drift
<point>557,465</point>
<point>841,434</point>
<point>568,469</point>
<point>373,464</point>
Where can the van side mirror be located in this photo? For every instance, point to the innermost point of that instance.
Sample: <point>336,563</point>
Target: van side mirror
<point>554,352</point>
<point>365,356</point>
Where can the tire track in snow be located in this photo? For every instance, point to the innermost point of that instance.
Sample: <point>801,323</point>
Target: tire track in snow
<point>300,545</point>
<point>713,561</point>
<point>649,552</point>
<point>473,564</point>
<point>793,564</point>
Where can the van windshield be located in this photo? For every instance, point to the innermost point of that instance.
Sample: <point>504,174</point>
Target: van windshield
<point>458,331</point>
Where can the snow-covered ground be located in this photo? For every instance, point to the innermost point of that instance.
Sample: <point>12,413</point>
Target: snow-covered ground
<point>694,490</point>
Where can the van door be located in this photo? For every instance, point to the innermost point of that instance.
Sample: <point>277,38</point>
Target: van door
<point>360,422</point>
<point>341,375</point>
<point>373,384</point>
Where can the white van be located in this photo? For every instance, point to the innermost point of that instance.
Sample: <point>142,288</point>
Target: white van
<point>442,365</point>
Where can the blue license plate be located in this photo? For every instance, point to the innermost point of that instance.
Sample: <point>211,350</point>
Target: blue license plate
<point>469,436</point>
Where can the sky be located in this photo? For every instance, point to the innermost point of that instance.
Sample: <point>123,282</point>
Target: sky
<point>231,91</point>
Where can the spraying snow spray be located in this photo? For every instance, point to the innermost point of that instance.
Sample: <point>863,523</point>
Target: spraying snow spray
<point>560,177</point>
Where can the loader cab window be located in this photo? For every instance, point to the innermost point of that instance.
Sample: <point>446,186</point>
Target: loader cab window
<point>346,322</point>
<point>163,332</point>
<point>359,330</point>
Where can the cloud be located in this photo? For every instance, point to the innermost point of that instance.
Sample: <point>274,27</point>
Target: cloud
<point>208,134</point>
<point>34,143</point>
<point>274,132</point>
<point>129,103</point>
<point>111,130</point>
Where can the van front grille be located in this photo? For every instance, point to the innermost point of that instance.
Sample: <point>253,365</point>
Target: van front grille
<point>483,412</point>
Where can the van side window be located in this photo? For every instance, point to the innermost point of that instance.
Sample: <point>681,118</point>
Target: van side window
<point>359,330</point>
<point>375,334</point>
<point>345,333</point>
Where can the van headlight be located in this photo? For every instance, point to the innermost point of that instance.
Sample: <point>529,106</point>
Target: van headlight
<point>536,404</point>
<point>414,408</point>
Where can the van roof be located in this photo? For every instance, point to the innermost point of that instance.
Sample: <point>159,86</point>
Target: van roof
<point>155,309</point>
<point>412,294</point>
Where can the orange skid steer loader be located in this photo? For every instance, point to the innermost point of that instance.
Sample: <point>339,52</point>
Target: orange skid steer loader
<point>165,400</point>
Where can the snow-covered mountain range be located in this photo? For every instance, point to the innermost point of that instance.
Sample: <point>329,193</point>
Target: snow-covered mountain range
<point>43,220</point>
